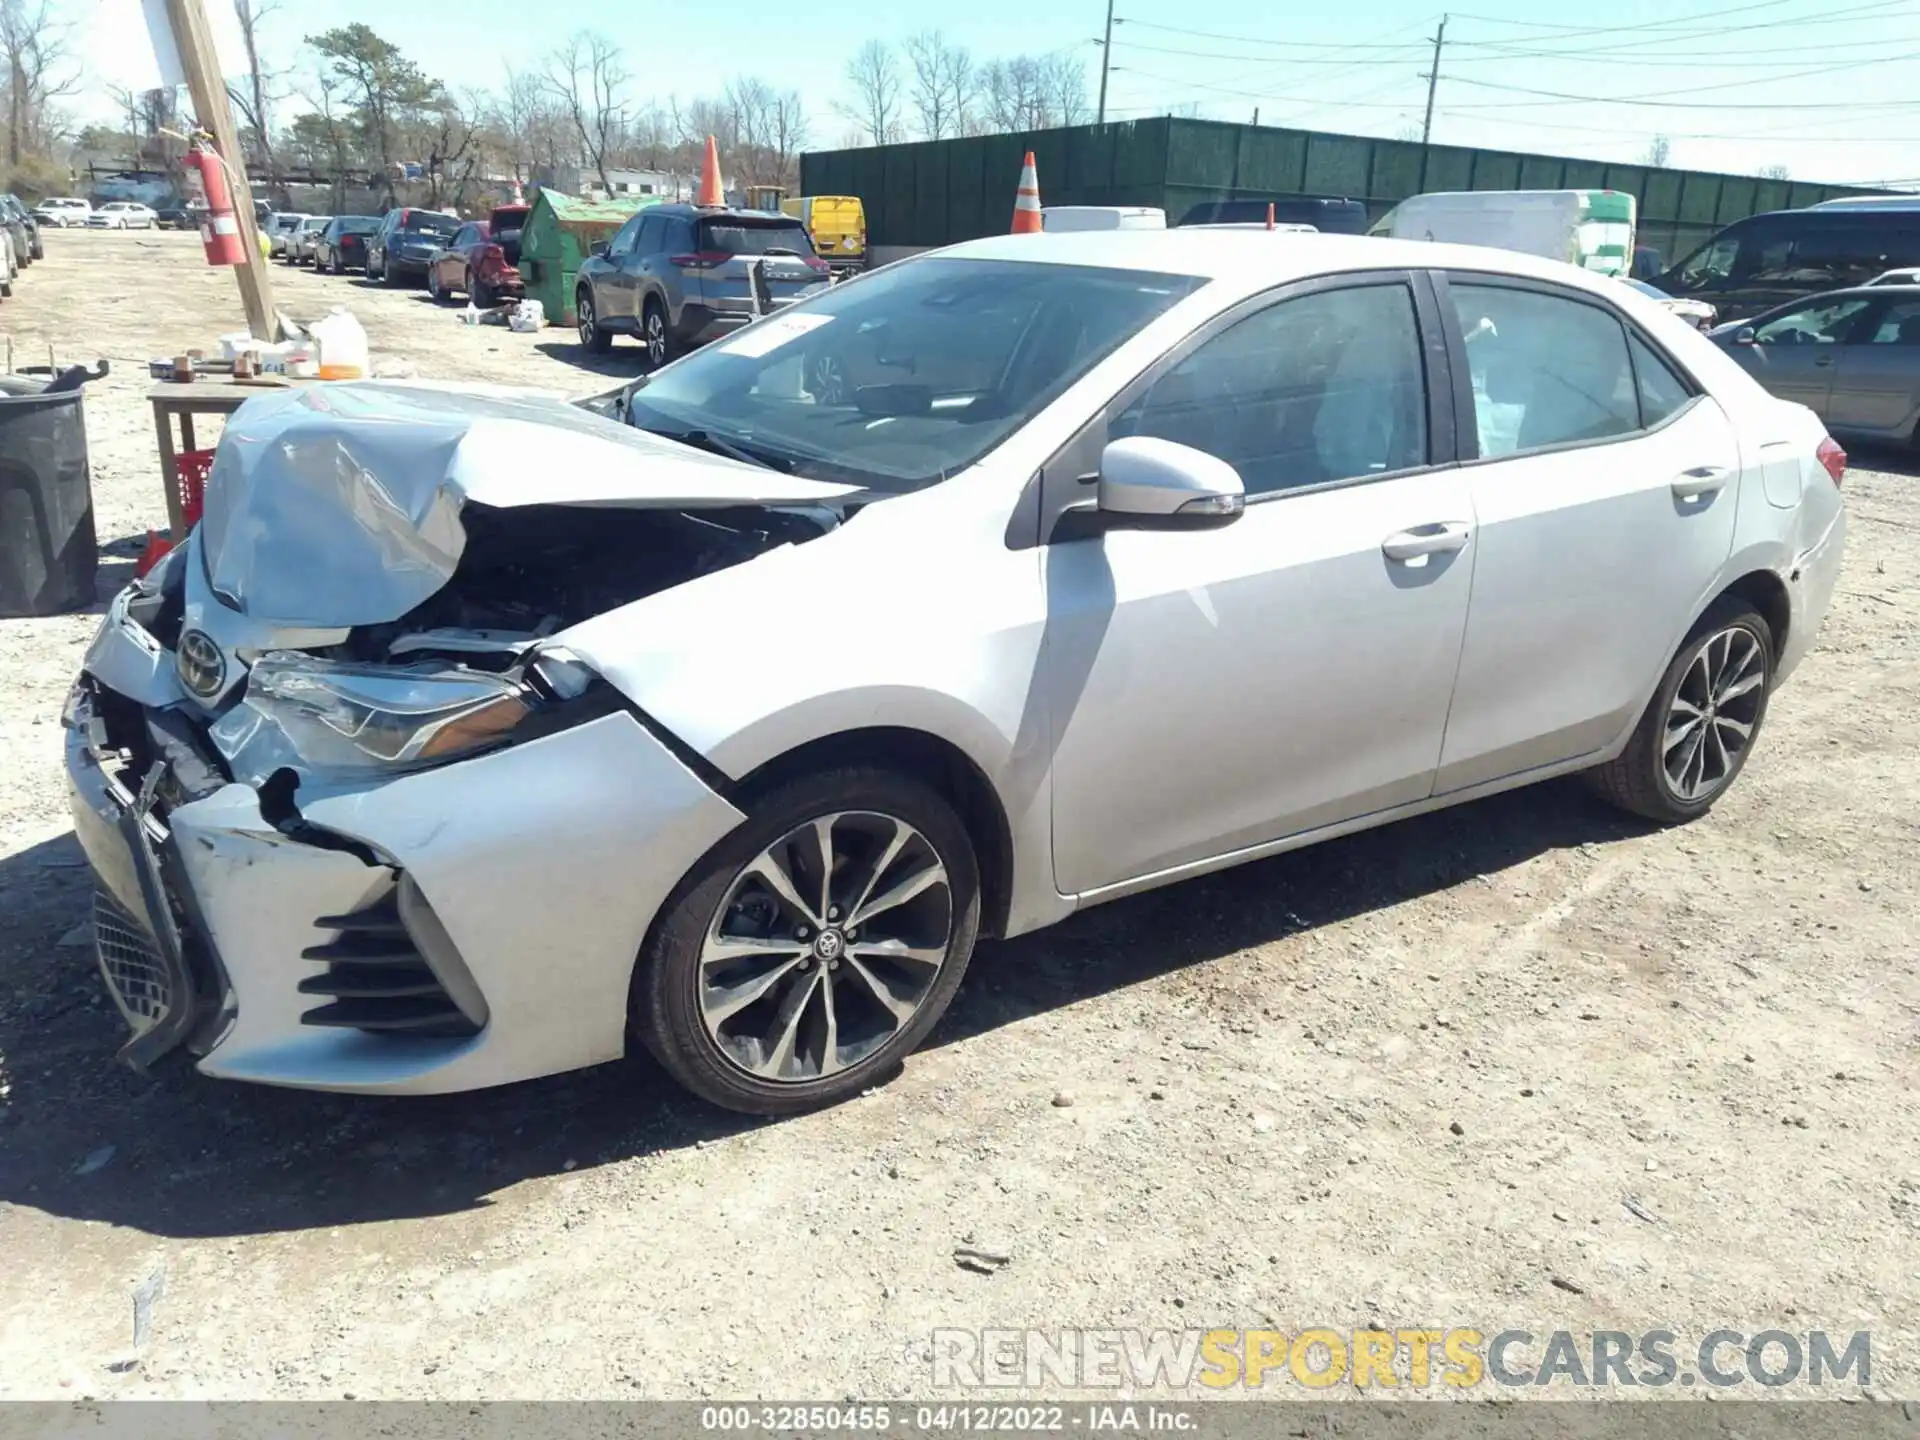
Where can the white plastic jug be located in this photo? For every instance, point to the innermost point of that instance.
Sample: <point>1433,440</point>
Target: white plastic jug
<point>343,346</point>
<point>529,317</point>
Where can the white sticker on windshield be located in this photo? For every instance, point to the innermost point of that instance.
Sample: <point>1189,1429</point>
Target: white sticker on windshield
<point>770,334</point>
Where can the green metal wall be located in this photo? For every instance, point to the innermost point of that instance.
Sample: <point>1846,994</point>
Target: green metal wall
<point>942,191</point>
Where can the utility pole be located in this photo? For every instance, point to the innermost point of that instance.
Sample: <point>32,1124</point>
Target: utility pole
<point>1433,81</point>
<point>1106,64</point>
<point>193,38</point>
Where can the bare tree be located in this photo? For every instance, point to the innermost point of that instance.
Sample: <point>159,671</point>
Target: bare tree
<point>1775,172</point>
<point>34,49</point>
<point>1063,89</point>
<point>1658,152</point>
<point>589,78</point>
<point>126,104</point>
<point>942,85</point>
<point>255,100</point>
<point>874,77</point>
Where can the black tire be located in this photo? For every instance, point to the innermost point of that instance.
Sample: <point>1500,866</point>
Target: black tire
<point>656,333</point>
<point>433,285</point>
<point>664,1004</point>
<point>480,293</point>
<point>335,265</point>
<point>587,321</point>
<point>1637,779</point>
<point>387,277</point>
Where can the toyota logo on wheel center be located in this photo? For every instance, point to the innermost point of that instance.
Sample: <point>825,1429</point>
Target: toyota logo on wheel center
<point>828,945</point>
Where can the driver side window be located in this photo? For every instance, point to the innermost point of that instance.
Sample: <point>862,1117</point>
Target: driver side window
<point>1328,386</point>
<point>623,241</point>
<point>1822,324</point>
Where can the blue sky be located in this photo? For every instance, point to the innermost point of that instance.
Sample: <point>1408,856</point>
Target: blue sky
<point>1828,88</point>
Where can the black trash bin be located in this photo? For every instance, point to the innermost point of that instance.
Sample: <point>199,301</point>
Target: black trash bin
<point>48,552</point>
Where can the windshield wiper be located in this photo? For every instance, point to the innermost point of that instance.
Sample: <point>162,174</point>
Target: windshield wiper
<point>707,440</point>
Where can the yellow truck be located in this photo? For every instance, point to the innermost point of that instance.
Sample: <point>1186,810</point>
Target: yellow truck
<point>837,225</point>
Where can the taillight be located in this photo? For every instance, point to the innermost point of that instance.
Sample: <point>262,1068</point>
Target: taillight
<point>700,260</point>
<point>817,265</point>
<point>490,258</point>
<point>1833,458</point>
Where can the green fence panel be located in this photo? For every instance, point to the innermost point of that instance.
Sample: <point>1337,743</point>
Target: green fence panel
<point>1699,199</point>
<point>1201,153</point>
<point>1140,152</point>
<point>1449,167</point>
<point>1542,172</point>
<point>1496,170</point>
<point>1770,195</point>
<point>1089,159</point>
<point>965,183</point>
<point>1050,160</point>
<point>1177,200</point>
<point>1272,162</point>
<point>1630,178</point>
<point>1584,175</point>
<point>1737,195</point>
<point>930,166</point>
<point>1660,194</point>
<point>1337,165</point>
<point>1396,172</point>
<point>897,209</point>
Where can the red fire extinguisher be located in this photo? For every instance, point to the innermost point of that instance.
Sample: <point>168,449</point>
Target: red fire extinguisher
<point>220,230</point>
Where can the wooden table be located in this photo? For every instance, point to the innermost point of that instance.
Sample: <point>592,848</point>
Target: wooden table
<point>201,397</point>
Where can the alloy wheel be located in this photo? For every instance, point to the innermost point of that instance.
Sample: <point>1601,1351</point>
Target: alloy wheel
<point>827,379</point>
<point>583,312</point>
<point>656,337</point>
<point>1714,712</point>
<point>826,946</point>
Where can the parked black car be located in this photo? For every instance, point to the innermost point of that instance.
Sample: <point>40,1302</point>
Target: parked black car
<point>26,229</point>
<point>1786,255</point>
<point>1331,214</point>
<point>342,246</point>
<point>177,216</point>
<point>406,242</point>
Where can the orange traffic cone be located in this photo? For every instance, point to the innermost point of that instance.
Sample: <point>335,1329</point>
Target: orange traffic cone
<point>1270,214</point>
<point>1026,200</point>
<point>710,192</point>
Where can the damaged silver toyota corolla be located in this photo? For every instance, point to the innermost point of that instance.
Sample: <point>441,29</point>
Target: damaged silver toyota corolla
<point>470,735</point>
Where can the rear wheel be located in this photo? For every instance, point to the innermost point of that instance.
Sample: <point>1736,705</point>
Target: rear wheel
<point>656,334</point>
<point>333,263</point>
<point>814,947</point>
<point>1697,731</point>
<point>592,337</point>
<point>480,293</point>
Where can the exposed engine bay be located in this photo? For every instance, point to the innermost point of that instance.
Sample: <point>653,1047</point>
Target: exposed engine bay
<point>533,570</point>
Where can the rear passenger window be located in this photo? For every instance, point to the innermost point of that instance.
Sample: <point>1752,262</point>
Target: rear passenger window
<point>1662,393</point>
<point>1546,370</point>
<point>1325,387</point>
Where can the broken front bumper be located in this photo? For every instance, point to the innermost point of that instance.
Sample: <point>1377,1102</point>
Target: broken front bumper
<point>440,930</point>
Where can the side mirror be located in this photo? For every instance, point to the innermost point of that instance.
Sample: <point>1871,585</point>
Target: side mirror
<point>1744,335</point>
<point>1161,484</point>
<point>599,252</point>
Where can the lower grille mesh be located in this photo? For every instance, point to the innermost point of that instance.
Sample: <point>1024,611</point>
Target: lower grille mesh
<point>131,963</point>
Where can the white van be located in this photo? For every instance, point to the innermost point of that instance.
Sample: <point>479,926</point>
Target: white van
<point>1589,228</point>
<point>1102,217</point>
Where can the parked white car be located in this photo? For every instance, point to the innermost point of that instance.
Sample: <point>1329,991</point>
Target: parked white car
<point>474,737</point>
<point>1910,275</point>
<point>62,211</point>
<point>280,228</point>
<point>121,215</point>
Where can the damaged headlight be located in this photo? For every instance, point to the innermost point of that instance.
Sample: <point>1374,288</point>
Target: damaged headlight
<point>334,715</point>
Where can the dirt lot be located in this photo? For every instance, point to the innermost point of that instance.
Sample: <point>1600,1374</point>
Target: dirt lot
<point>1411,1078</point>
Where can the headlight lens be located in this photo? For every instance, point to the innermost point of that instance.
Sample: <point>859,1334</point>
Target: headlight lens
<point>339,716</point>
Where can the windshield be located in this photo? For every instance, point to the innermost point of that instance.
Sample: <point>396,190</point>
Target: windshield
<point>425,222</point>
<point>358,224</point>
<point>755,239</point>
<point>909,376</point>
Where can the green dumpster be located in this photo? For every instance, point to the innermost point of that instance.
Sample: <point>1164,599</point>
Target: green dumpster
<point>559,233</point>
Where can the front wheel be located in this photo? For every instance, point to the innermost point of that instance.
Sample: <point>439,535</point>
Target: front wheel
<point>433,284</point>
<point>814,947</point>
<point>1699,728</point>
<point>592,337</point>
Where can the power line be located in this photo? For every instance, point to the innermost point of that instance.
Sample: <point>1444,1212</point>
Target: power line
<point>1662,99</point>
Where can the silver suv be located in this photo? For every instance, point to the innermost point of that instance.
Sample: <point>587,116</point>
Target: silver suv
<point>678,276</point>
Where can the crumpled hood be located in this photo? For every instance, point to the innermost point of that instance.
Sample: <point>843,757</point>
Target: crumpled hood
<point>339,504</point>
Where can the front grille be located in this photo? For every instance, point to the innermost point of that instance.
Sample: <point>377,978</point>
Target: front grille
<point>377,977</point>
<point>132,964</point>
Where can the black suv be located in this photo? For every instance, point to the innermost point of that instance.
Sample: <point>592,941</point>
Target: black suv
<point>680,275</point>
<point>406,243</point>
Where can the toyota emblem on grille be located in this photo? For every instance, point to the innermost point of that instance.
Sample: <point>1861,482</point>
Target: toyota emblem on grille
<point>200,665</point>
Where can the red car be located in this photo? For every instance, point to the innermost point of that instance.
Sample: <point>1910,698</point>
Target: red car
<point>480,260</point>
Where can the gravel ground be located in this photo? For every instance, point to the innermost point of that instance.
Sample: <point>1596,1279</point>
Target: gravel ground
<point>1413,1077</point>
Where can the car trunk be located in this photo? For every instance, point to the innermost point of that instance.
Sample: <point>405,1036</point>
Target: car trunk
<point>503,229</point>
<point>729,249</point>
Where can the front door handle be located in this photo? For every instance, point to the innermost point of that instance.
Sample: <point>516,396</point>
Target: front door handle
<point>1443,537</point>
<point>1701,480</point>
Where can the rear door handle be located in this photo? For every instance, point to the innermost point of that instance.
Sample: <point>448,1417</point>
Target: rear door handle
<point>1440,538</point>
<point>1701,480</point>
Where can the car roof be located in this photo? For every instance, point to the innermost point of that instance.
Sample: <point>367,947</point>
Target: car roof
<point>716,212</point>
<point>1249,261</point>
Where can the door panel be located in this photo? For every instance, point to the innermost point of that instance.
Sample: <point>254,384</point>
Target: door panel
<point>1216,689</point>
<point>1588,565</point>
<point>1876,384</point>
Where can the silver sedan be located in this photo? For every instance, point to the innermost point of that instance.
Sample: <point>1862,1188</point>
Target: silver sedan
<point>475,737</point>
<point>1850,356</point>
